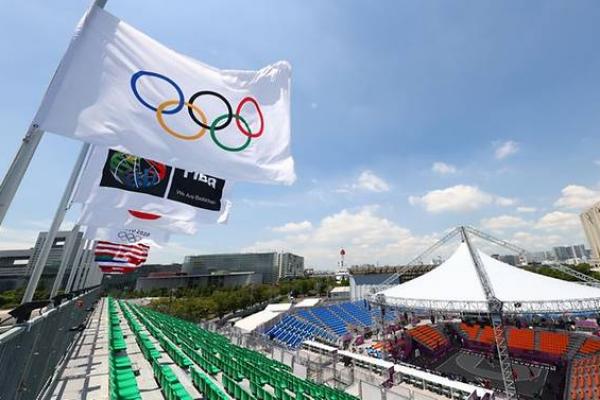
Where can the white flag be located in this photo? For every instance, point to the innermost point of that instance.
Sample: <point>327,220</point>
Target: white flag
<point>150,237</point>
<point>119,88</point>
<point>115,180</point>
<point>148,219</point>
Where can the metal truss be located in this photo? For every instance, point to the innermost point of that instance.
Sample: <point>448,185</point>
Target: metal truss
<point>419,259</point>
<point>585,279</point>
<point>495,309</point>
<point>569,306</point>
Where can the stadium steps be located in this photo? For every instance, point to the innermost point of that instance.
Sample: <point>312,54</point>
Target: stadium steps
<point>536,340</point>
<point>478,337</point>
<point>574,345</point>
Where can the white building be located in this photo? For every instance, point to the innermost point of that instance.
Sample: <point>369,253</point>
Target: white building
<point>590,219</point>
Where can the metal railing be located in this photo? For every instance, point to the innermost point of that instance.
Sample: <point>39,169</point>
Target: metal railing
<point>31,351</point>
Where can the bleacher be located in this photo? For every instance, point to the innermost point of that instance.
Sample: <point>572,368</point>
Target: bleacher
<point>291,332</point>
<point>554,342</point>
<point>471,331</point>
<point>522,339</point>
<point>590,346</point>
<point>429,336</point>
<point>584,383</point>
<point>122,383</point>
<point>221,370</point>
<point>327,323</point>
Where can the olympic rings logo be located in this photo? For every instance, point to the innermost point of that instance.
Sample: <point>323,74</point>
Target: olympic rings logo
<point>173,106</point>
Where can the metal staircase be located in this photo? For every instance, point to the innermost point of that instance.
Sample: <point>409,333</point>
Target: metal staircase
<point>575,343</point>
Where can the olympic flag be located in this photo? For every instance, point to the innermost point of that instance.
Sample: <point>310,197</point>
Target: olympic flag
<point>113,183</point>
<point>146,236</point>
<point>119,88</point>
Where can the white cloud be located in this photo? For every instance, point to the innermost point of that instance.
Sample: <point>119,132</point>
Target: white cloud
<point>442,168</point>
<point>14,239</point>
<point>577,196</point>
<point>526,209</point>
<point>502,222</point>
<point>559,220</point>
<point>459,198</point>
<point>506,149</point>
<point>172,252</point>
<point>294,227</point>
<point>505,201</point>
<point>535,242</point>
<point>367,181</point>
<point>597,162</point>
<point>366,236</point>
<point>371,182</point>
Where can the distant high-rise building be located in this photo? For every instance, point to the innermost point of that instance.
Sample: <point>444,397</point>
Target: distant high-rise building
<point>590,220</point>
<point>56,254</point>
<point>273,266</point>
<point>562,253</point>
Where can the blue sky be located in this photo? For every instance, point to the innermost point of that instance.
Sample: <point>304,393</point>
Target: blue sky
<point>408,118</point>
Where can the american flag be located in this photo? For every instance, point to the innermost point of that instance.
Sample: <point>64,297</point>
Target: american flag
<point>114,258</point>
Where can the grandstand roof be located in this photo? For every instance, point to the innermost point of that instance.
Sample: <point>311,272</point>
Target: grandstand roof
<point>455,286</point>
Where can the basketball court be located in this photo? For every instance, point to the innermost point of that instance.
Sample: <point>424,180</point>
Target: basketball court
<point>530,378</point>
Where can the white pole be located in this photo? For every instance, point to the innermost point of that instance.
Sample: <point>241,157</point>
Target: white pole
<point>75,267</point>
<point>12,180</point>
<point>87,267</point>
<point>81,272</point>
<point>64,262</point>
<point>16,171</point>
<point>58,219</point>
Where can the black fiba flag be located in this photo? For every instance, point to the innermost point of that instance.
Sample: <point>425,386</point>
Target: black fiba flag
<point>196,189</point>
<point>136,174</point>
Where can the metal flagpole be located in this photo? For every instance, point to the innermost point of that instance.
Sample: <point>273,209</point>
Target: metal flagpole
<point>16,171</point>
<point>60,211</point>
<point>58,219</point>
<point>66,257</point>
<point>86,268</point>
<point>18,167</point>
<point>75,267</point>
<point>82,266</point>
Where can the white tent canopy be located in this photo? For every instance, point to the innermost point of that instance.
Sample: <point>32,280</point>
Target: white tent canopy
<point>454,286</point>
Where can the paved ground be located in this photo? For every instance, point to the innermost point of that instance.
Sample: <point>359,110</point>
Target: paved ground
<point>85,374</point>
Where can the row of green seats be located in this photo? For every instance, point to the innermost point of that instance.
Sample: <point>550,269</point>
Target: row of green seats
<point>205,385</point>
<point>170,386</point>
<point>122,382</point>
<point>256,367</point>
<point>234,389</point>
<point>148,349</point>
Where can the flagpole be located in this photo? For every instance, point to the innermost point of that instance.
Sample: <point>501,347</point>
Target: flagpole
<point>14,176</point>
<point>87,266</point>
<point>59,216</point>
<point>16,171</point>
<point>81,268</point>
<point>60,211</point>
<point>66,257</point>
<point>76,263</point>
